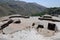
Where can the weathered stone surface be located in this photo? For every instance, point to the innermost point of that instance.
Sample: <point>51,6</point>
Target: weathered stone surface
<point>3,39</point>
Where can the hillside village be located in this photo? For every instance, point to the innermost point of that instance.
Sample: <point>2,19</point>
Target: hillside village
<point>47,25</point>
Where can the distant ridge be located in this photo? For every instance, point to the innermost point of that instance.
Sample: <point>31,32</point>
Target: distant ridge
<point>8,7</point>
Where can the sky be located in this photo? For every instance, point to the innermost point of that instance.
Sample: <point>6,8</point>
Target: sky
<point>46,3</point>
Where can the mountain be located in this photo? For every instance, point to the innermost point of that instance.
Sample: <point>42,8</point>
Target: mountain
<point>8,7</point>
<point>54,11</point>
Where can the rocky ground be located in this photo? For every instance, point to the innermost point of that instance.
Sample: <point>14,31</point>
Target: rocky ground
<point>25,30</point>
<point>28,34</point>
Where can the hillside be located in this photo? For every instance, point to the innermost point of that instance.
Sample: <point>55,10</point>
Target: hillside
<point>55,11</point>
<point>8,7</point>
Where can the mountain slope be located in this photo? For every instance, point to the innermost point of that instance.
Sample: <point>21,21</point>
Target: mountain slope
<point>8,7</point>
